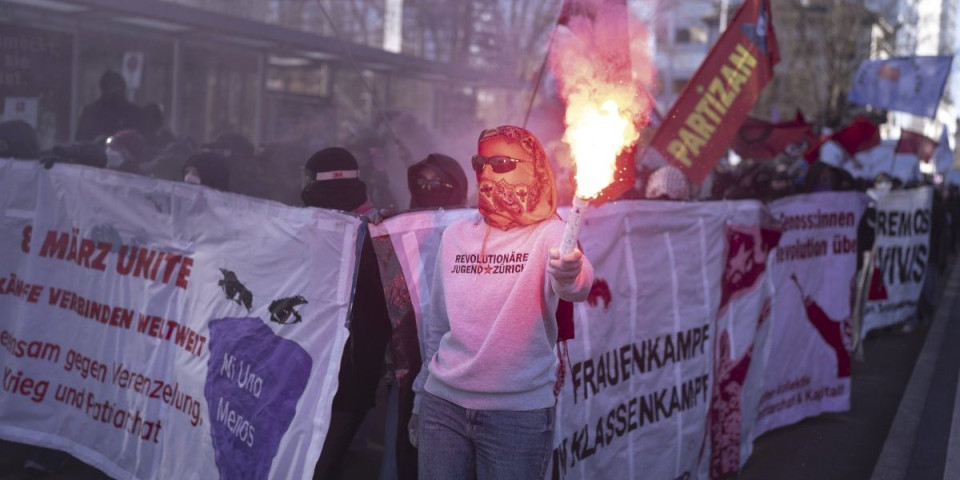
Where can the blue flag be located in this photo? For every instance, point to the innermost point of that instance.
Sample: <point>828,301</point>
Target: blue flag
<point>943,155</point>
<point>905,84</point>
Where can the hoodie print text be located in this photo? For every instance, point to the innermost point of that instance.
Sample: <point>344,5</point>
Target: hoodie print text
<point>490,264</point>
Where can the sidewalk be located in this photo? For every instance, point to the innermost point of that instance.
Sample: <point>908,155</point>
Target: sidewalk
<point>923,435</point>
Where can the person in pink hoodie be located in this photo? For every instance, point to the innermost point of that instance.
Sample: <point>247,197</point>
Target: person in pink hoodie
<point>485,399</point>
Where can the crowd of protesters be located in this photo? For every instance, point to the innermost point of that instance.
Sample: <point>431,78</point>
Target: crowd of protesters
<point>116,134</point>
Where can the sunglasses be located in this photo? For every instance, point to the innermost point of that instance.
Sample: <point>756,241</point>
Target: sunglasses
<point>432,184</point>
<point>498,163</point>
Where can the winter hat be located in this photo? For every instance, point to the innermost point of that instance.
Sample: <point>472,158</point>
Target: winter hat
<point>18,140</point>
<point>333,163</point>
<point>212,168</point>
<point>668,182</point>
<point>334,181</point>
<point>130,140</point>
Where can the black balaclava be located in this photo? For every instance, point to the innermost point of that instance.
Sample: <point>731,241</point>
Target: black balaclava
<point>113,88</point>
<point>452,191</point>
<point>334,181</point>
<point>18,140</point>
<point>213,169</point>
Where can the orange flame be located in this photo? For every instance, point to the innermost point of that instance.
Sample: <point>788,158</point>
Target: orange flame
<point>604,69</point>
<point>596,135</point>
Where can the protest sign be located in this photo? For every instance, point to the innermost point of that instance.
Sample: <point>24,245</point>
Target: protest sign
<point>147,323</point>
<point>802,367</point>
<point>902,256</point>
<point>664,340</point>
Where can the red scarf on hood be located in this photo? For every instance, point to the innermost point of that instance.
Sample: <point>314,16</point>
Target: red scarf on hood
<point>523,196</point>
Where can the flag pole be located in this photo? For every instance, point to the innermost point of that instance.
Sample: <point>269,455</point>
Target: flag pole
<point>893,161</point>
<point>536,86</point>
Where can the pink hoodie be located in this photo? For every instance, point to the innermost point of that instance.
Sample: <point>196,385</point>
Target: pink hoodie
<point>490,331</point>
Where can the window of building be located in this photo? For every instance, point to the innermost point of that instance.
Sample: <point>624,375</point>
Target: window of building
<point>35,80</point>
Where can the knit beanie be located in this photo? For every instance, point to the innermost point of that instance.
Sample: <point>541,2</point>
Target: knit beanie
<point>668,182</point>
<point>335,181</point>
<point>212,168</point>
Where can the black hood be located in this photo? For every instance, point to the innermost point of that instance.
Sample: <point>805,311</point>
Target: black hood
<point>18,140</point>
<point>213,169</point>
<point>449,171</point>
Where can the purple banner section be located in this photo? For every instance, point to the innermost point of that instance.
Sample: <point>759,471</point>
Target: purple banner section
<point>254,381</point>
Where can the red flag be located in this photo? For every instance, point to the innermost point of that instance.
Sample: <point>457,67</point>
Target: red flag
<point>861,134</point>
<point>917,144</point>
<point>705,118</point>
<point>762,140</point>
<point>878,291</point>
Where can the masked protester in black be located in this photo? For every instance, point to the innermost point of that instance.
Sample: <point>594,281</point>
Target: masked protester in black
<point>332,181</point>
<point>111,112</point>
<point>209,169</point>
<point>437,181</point>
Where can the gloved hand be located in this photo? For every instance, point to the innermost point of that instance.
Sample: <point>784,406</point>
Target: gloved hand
<point>48,162</point>
<point>413,429</point>
<point>566,268</point>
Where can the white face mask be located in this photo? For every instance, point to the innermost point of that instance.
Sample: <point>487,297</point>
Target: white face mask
<point>191,178</point>
<point>114,158</point>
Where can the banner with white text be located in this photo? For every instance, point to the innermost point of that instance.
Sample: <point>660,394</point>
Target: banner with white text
<point>147,322</point>
<point>664,341</point>
<point>802,366</point>
<point>902,255</point>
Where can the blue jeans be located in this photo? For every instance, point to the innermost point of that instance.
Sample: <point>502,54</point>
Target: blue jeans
<point>460,443</point>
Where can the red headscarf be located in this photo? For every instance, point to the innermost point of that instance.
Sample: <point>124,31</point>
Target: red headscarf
<point>523,196</point>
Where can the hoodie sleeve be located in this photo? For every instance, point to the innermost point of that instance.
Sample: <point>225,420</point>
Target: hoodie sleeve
<point>580,288</point>
<point>433,326</point>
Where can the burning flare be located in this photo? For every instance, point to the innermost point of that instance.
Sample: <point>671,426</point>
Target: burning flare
<point>603,69</point>
<point>596,135</point>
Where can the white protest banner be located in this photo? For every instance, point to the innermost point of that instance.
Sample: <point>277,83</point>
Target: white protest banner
<point>165,330</point>
<point>406,247</point>
<point>902,253</point>
<point>663,344</point>
<point>802,366</point>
